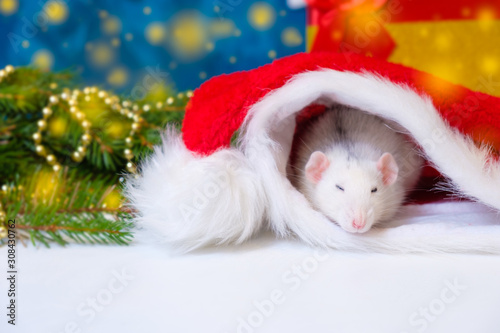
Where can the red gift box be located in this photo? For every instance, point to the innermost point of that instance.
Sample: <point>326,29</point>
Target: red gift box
<point>360,25</point>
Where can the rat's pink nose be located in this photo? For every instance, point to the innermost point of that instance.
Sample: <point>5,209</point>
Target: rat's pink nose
<point>359,224</point>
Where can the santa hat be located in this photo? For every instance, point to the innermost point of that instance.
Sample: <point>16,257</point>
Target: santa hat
<point>198,189</point>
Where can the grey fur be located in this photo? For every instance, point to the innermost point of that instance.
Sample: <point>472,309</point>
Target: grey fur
<point>358,139</point>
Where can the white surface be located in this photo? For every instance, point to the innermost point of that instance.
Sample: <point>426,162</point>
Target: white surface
<point>213,290</point>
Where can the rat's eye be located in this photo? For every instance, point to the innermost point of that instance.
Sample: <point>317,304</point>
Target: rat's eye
<point>374,190</point>
<point>340,188</point>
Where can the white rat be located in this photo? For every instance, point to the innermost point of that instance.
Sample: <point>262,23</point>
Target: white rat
<point>354,168</point>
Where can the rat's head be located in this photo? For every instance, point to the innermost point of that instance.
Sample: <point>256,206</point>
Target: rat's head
<point>354,193</point>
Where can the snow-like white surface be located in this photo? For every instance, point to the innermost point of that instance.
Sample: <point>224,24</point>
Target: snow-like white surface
<point>266,285</point>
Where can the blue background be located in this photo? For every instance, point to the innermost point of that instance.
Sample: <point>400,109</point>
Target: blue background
<point>115,44</point>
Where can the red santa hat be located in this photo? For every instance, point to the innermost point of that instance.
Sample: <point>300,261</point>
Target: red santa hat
<point>197,189</point>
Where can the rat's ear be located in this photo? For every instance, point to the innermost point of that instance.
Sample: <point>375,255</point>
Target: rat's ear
<point>317,164</point>
<point>388,167</point>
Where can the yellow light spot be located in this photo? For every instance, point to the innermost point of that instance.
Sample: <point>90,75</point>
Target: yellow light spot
<point>111,25</point>
<point>209,46</point>
<point>46,185</point>
<point>146,10</point>
<point>424,32</point>
<point>203,75</point>
<point>57,127</point>
<point>103,14</point>
<point>129,36</point>
<point>271,54</point>
<point>466,12</point>
<point>101,55</point>
<point>189,34</point>
<point>291,37</point>
<point>25,44</point>
<point>113,200</point>
<point>43,59</point>
<point>261,16</point>
<point>489,65</point>
<point>222,28</point>
<point>118,77</point>
<point>8,7</point>
<point>116,129</point>
<point>232,60</point>
<point>237,33</point>
<point>155,33</point>
<point>56,11</point>
<point>115,42</point>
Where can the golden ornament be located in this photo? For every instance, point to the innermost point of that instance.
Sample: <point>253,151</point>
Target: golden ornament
<point>131,167</point>
<point>42,124</point>
<point>40,150</point>
<point>51,159</point>
<point>86,124</point>
<point>53,99</point>
<point>37,137</point>
<point>128,154</point>
<point>128,141</point>
<point>86,138</point>
<point>47,112</point>
<point>77,157</point>
<point>3,232</point>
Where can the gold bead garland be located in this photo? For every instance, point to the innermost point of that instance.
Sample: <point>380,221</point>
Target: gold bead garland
<point>3,218</point>
<point>9,69</point>
<point>42,125</point>
<point>125,108</point>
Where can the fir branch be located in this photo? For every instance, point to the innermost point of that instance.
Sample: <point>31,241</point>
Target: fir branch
<point>39,209</point>
<point>75,206</point>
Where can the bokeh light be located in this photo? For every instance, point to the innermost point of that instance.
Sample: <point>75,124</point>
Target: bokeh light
<point>222,28</point>
<point>155,33</point>
<point>43,59</point>
<point>189,35</point>
<point>111,25</point>
<point>8,7</point>
<point>118,77</point>
<point>291,37</point>
<point>113,200</point>
<point>261,16</point>
<point>56,11</point>
<point>101,54</point>
<point>57,127</point>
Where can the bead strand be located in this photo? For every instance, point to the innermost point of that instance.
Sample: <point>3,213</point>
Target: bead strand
<point>126,108</point>
<point>9,69</point>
